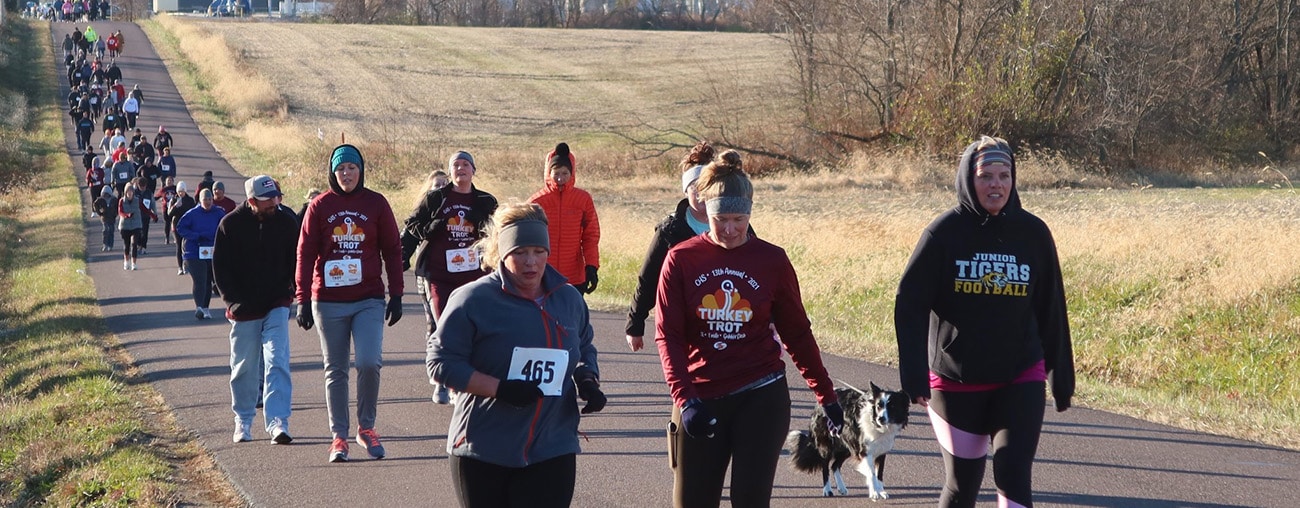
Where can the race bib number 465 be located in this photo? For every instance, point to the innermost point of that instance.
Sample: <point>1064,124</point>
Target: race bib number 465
<point>545,366</point>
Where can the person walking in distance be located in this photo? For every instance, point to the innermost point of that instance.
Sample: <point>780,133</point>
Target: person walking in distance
<point>106,206</point>
<point>574,227</point>
<point>513,438</point>
<point>175,210</point>
<point>441,233</point>
<point>989,269</point>
<point>220,197</point>
<point>253,261</point>
<point>349,243</point>
<point>197,230</point>
<point>131,213</point>
<point>690,219</point>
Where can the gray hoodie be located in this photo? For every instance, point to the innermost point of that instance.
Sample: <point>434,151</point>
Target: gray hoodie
<point>483,323</point>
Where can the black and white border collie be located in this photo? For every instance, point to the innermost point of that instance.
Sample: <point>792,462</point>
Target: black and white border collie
<point>871,422</point>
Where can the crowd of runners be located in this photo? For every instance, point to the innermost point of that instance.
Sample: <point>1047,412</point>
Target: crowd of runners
<point>509,337</point>
<point>70,11</point>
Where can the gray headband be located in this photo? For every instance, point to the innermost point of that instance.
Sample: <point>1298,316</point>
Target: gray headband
<point>729,204</point>
<point>524,233</point>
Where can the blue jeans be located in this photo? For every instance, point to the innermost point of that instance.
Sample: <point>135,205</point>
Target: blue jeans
<point>344,326</point>
<point>201,281</point>
<point>110,232</point>
<point>255,345</point>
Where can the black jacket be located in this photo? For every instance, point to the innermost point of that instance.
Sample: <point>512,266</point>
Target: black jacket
<point>982,298</point>
<point>671,231</point>
<point>423,224</point>
<point>178,208</point>
<point>253,261</point>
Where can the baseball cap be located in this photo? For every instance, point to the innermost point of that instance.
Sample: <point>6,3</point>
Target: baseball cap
<point>261,187</point>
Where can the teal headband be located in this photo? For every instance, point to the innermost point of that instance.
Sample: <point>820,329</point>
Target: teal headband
<point>524,233</point>
<point>345,153</point>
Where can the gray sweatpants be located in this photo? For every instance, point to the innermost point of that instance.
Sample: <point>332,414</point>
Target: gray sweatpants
<point>351,325</point>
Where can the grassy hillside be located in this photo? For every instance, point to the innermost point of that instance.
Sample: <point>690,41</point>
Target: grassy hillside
<point>1185,304</point>
<point>78,426</point>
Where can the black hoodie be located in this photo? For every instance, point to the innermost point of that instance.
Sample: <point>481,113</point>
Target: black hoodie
<point>984,294</point>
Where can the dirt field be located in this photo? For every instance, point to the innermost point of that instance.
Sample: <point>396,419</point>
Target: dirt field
<point>475,86</point>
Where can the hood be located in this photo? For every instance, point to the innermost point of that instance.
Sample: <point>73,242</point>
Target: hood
<point>967,202</point>
<point>334,182</point>
<point>563,150</point>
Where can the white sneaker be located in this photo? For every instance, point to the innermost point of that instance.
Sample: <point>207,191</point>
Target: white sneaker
<point>126,265</point>
<point>198,313</point>
<point>180,272</point>
<point>243,433</point>
<point>206,314</point>
<point>279,430</point>
<point>133,265</point>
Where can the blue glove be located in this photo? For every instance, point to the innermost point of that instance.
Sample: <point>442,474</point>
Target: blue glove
<point>834,418</point>
<point>698,420</point>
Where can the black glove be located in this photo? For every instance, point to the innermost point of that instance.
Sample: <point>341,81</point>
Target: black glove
<point>519,393</point>
<point>305,321</point>
<point>592,279</point>
<point>394,310</point>
<point>698,420</point>
<point>834,418</point>
<point>589,390</point>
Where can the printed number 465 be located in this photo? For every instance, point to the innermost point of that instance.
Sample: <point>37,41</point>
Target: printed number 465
<point>538,370</point>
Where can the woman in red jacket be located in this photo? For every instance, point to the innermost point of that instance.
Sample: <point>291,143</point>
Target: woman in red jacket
<point>573,227</point>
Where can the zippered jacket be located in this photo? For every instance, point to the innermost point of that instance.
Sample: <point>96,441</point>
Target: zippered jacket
<point>482,325</point>
<point>573,225</point>
<point>253,262</point>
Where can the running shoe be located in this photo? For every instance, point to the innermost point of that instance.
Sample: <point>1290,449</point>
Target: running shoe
<point>243,433</point>
<point>339,450</point>
<point>206,314</point>
<point>198,313</point>
<point>126,265</point>
<point>280,431</point>
<point>180,271</point>
<point>369,440</point>
<point>133,265</point>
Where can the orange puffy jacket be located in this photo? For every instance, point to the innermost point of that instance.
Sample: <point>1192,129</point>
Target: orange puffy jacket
<point>574,228</point>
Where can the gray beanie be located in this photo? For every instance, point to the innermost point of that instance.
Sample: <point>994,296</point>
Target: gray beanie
<point>461,155</point>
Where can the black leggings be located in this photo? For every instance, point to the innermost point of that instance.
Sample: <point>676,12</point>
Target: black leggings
<point>964,421</point>
<point>130,243</point>
<point>545,484</point>
<point>751,430</point>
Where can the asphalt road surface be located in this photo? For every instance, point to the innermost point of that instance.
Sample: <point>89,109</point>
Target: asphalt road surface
<point>1086,458</point>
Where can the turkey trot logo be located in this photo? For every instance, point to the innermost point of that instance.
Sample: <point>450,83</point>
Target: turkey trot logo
<point>992,274</point>
<point>347,233</point>
<point>459,227</point>
<point>725,312</point>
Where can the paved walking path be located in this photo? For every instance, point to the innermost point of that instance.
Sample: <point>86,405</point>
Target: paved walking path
<point>1087,458</point>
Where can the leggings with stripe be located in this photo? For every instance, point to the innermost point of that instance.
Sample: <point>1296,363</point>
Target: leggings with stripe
<point>964,422</point>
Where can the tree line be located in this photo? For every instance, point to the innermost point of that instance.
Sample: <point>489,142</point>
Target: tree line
<point>1119,83</point>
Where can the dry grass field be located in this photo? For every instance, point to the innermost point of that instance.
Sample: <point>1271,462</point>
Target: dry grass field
<point>1184,303</point>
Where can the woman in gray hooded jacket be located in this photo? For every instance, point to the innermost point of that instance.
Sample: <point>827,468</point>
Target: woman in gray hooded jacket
<point>516,344</point>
